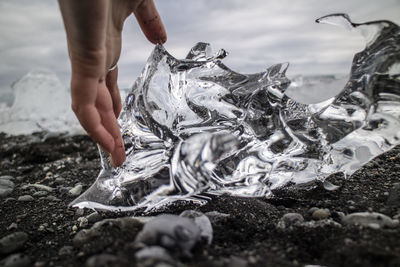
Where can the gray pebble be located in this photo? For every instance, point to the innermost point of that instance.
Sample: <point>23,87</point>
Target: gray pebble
<point>321,214</point>
<point>290,219</point>
<point>94,217</point>
<point>216,216</point>
<point>12,242</point>
<point>25,198</point>
<point>170,231</point>
<point>52,198</point>
<point>65,251</point>
<point>202,221</point>
<point>76,190</point>
<point>154,252</point>
<point>124,224</point>
<point>59,180</point>
<point>40,193</point>
<point>38,187</point>
<point>6,187</point>
<point>83,222</point>
<point>16,260</point>
<point>374,220</point>
<point>6,177</point>
<point>102,260</point>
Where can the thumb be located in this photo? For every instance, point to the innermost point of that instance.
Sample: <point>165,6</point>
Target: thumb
<point>150,22</point>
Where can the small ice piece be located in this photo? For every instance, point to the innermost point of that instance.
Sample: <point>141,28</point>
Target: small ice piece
<point>194,128</point>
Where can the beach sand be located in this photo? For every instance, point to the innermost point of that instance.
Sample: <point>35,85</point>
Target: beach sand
<point>252,234</point>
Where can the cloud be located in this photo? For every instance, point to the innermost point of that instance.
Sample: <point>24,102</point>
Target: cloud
<point>257,34</point>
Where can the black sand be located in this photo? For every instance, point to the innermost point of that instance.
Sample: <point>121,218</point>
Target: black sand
<point>248,237</point>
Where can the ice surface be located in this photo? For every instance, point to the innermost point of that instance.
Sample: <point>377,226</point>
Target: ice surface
<point>194,126</point>
<point>41,103</point>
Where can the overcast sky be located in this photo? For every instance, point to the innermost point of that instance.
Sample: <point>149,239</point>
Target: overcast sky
<point>256,33</point>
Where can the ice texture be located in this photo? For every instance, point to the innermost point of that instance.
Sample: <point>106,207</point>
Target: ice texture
<point>194,128</point>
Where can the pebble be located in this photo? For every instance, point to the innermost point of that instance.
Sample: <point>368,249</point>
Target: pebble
<point>59,180</point>
<point>154,253</point>
<point>202,221</point>
<point>39,187</point>
<point>65,251</point>
<point>12,242</point>
<point>6,177</point>
<point>76,190</point>
<point>216,216</point>
<point>83,222</point>
<point>290,219</point>
<point>16,260</point>
<point>94,217</point>
<point>52,198</point>
<point>124,224</point>
<point>6,187</point>
<point>25,198</point>
<point>102,260</point>
<point>374,220</point>
<point>40,193</point>
<point>171,232</point>
<point>12,226</point>
<point>321,214</point>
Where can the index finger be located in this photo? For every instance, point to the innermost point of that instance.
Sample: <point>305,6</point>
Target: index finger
<point>150,22</point>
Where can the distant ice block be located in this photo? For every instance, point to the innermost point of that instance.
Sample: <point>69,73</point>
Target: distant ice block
<point>41,103</point>
<point>194,126</point>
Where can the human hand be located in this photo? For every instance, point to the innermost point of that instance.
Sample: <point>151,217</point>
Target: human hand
<point>94,43</point>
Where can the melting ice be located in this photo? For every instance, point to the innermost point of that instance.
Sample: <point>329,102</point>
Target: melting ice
<point>194,126</point>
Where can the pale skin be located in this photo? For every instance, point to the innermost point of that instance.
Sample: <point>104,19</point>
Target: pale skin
<point>94,30</point>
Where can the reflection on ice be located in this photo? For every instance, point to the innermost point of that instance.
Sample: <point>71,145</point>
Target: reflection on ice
<point>194,126</point>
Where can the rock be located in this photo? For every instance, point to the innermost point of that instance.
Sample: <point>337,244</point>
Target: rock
<point>40,193</point>
<point>202,221</point>
<point>38,187</point>
<point>6,177</point>
<point>12,226</point>
<point>6,187</point>
<point>374,220</point>
<point>86,235</point>
<point>290,219</point>
<point>143,219</point>
<point>94,217</point>
<point>171,232</point>
<point>83,222</point>
<point>394,195</point>
<point>321,223</point>
<point>16,260</point>
<point>155,253</point>
<point>102,260</point>
<point>59,180</point>
<point>321,214</point>
<point>25,198</point>
<point>216,216</point>
<point>66,251</point>
<point>52,198</point>
<point>76,190</point>
<point>12,242</point>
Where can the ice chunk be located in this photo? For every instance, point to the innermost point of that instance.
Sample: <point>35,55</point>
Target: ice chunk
<point>194,126</point>
<point>41,103</point>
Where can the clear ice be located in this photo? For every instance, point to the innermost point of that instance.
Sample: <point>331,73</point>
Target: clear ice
<point>194,128</point>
